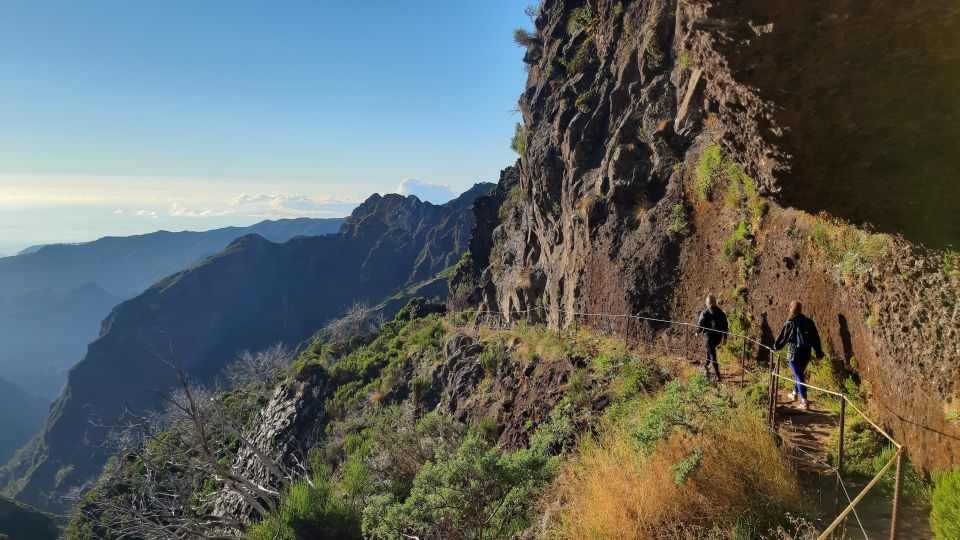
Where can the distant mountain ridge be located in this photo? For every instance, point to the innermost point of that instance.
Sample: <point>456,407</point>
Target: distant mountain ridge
<point>250,296</point>
<point>127,265</point>
<point>54,298</point>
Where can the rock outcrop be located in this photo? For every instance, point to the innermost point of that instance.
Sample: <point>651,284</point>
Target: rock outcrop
<point>650,176</point>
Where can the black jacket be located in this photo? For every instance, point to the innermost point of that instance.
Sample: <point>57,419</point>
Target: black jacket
<point>713,321</point>
<point>810,334</point>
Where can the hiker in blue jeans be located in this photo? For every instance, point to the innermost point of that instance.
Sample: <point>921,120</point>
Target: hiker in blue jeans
<point>800,336</point>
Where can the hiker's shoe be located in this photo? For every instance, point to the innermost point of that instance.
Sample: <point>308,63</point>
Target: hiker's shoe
<point>793,396</point>
<point>804,404</point>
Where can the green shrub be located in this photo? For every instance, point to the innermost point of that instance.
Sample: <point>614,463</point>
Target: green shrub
<point>603,364</point>
<point>477,491</point>
<point>945,501</point>
<point>580,59</point>
<point>419,386</point>
<point>519,140</point>
<point>492,356</point>
<point>709,167</point>
<point>643,135</point>
<point>820,236</point>
<point>583,101</point>
<point>678,219</point>
<point>488,428</point>
<point>950,261</point>
<point>689,408</point>
<point>576,389</point>
<point>861,258</point>
<point>513,200</point>
<point>637,377</point>
<point>524,37</point>
<point>738,244</point>
<point>653,53</point>
<point>685,61</point>
<point>555,436</point>
<point>581,18</point>
<point>310,512</point>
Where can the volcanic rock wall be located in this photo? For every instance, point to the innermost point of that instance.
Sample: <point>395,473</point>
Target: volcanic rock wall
<point>649,177</point>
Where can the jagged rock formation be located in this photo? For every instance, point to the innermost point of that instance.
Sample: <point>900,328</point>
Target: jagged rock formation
<point>520,392</point>
<point>251,296</point>
<point>650,177</point>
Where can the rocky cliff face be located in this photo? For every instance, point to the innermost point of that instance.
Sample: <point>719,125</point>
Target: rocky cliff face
<point>250,296</point>
<point>650,176</point>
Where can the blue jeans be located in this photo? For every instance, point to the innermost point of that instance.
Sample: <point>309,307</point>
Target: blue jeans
<point>799,365</point>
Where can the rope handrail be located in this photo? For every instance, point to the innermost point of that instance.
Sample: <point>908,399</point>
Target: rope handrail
<point>774,375</point>
<point>688,325</point>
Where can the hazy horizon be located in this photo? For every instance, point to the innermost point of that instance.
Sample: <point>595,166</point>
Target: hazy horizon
<point>126,118</point>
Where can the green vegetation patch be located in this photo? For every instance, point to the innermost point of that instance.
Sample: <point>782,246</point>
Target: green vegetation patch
<point>583,101</point>
<point>519,140</point>
<point>945,502</point>
<point>708,171</point>
<point>581,18</point>
<point>678,219</point>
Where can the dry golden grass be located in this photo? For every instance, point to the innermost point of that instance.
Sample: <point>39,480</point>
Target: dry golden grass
<point>614,492</point>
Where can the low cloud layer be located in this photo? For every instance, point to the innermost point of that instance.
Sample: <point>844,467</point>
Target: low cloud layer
<point>426,191</point>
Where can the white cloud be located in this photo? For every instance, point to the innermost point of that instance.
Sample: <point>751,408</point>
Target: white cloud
<point>147,213</point>
<point>285,204</point>
<point>118,212</point>
<point>177,210</point>
<point>426,191</point>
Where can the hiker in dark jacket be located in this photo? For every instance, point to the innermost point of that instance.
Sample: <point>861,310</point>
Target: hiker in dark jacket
<point>800,336</point>
<point>713,325</point>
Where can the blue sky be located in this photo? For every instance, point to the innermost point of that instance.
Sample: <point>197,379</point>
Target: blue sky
<point>125,116</point>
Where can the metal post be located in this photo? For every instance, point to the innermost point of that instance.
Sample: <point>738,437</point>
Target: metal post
<point>843,423</point>
<point>626,337</point>
<point>743,362</point>
<point>776,386</point>
<point>896,494</point>
<point>770,391</point>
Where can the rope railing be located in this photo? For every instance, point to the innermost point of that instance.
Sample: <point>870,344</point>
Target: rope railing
<point>567,318</point>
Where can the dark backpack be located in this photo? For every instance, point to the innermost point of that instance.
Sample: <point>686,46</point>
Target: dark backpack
<point>803,332</point>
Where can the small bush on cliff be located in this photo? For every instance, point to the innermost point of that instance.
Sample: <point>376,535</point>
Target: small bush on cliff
<point>709,167</point>
<point>678,219</point>
<point>519,140</point>
<point>945,514</point>
<point>491,357</point>
<point>580,59</point>
<point>583,101</point>
<point>581,18</point>
<point>951,261</point>
<point>524,37</point>
<point>513,200</point>
<point>738,244</point>
<point>653,53</point>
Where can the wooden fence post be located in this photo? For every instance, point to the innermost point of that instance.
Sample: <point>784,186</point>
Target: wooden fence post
<point>896,493</point>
